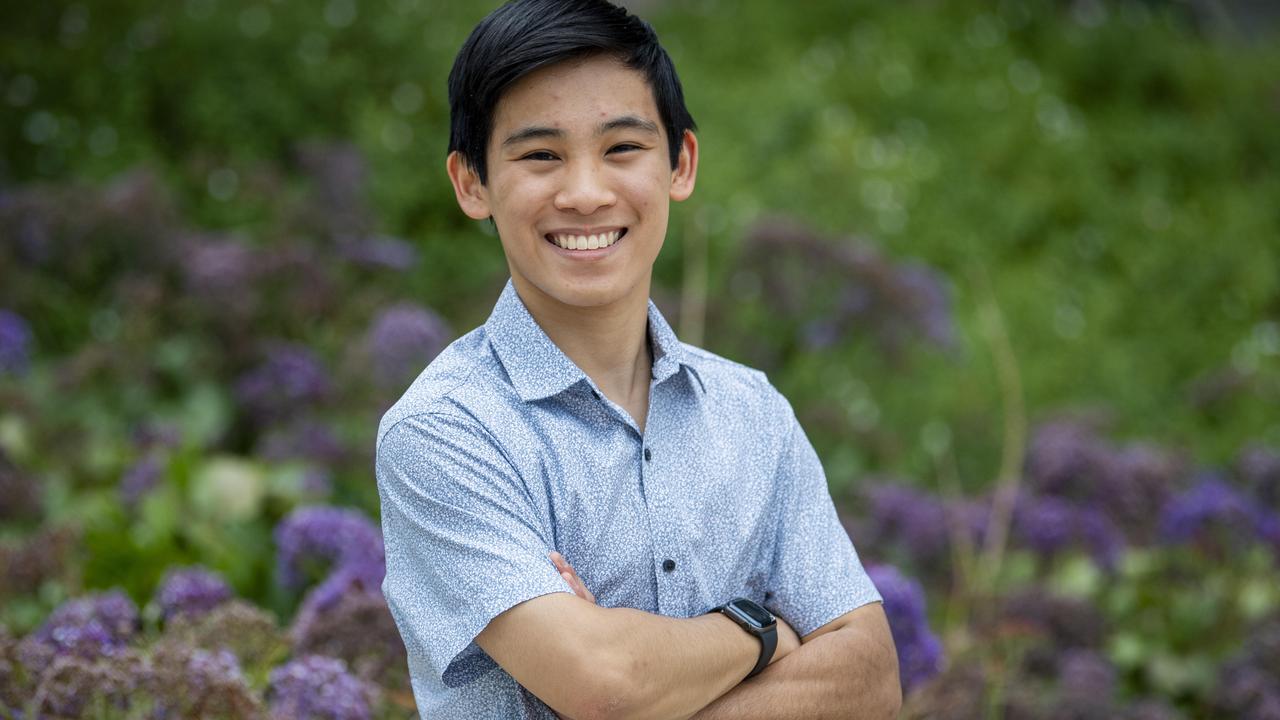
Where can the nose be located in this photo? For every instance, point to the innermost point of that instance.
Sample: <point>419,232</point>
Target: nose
<point>585,189</point>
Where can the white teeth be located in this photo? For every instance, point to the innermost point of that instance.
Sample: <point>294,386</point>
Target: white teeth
<point>587,242</point>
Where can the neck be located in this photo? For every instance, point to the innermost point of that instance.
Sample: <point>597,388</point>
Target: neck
<point>609,342</point>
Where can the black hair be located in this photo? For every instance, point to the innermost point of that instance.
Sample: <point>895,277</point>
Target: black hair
<point>525,35</point>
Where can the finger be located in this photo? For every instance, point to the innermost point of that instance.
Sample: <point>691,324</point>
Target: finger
<point>585,592</point>
<point>574,586</point>
<point>579,587</point>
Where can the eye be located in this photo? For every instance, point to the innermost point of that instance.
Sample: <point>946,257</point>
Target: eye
<point>625,147</point>
<point>539,155</point>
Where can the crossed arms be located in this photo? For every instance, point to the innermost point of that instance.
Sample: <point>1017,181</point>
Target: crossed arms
<point>589,663</point>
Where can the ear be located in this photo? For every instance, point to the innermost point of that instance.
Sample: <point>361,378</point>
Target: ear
<point>472,195</point>
<point>686,172</point>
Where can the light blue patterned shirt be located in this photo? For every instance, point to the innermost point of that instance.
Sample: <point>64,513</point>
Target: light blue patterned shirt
<point>503,450</point>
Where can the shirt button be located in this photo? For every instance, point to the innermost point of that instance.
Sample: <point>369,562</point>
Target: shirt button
<point>647,455</point>
<point>668,565</point>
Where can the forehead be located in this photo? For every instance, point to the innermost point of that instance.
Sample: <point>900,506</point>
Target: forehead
<point>576,94</point>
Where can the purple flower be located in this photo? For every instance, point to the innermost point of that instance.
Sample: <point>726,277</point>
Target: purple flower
<point>1139,477</point>
<point>71,686</point>
<point>290,378</point>
<point>1100,537</point>
<point>1086,674</point>
<point>1151,709</point>
<point>1065,458</point>
<point>403,339</point>
<point>317,482</point>
<point>927,302</point>
<point>303,440</point>
<point>1245,690</point>
<point>191,591</point>
<point>315,687</point>
<point>139,479</point>
<point>379,251</point>
<point>357,629</point>
<point>1259,467</point>
<point>207,668</point>
<point>217,267</point>
<point>1046,525</point>
<point>1050,525</point>
<point>190,682</point>
<point>849,285</point>
<point>1210,508</point>
<point>913,519</point>
<point>15,343</point>
<point>344,539</point>
<point>972,517</point>
<point>87,627</point>
<point>338,170</point>
<point>339,173</point>
<point>1248,684</point>
<point>155,435</point>
<point>919,651</point>
<point>235,625</point>
<point>1268,529</point>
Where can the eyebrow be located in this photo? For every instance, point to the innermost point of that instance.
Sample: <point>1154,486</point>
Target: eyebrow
<point>624,122</point>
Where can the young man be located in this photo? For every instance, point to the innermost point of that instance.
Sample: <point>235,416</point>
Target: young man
<point>573,427</point>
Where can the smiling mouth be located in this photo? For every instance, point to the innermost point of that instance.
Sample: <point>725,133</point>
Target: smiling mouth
<point>585,242</point>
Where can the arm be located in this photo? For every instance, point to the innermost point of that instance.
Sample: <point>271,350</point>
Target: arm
<point>847,668</point>
<point>591,662</point>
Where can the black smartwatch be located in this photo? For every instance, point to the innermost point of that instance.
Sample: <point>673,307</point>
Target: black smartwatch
<point>753,618</point>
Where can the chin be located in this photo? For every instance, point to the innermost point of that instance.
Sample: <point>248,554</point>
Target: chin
<point>605,291</point>
<point>590,296</point>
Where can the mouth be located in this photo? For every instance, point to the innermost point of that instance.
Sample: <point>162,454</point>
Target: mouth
<point>576,242</point>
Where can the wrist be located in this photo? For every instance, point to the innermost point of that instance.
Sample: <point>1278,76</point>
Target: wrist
<point>756,621</point>
<point>746,647</point>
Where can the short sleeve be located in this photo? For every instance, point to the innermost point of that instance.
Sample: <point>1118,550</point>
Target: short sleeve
<point>815,575</point>
<point>463,540</point>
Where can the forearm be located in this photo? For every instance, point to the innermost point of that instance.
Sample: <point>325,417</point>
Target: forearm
<point>676,666</point>
<point>831,676</point>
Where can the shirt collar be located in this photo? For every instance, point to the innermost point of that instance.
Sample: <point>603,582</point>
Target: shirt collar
<point>538,368</point>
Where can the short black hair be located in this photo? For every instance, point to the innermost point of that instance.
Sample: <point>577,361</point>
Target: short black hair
<point>525,35</point>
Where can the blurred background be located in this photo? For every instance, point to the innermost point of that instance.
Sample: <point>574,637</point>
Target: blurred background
<point>1016,264</point>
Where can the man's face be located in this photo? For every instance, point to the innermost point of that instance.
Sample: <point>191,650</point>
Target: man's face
<point>578,155</point>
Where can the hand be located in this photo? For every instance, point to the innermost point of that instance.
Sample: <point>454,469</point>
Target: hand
<point>571,576</point>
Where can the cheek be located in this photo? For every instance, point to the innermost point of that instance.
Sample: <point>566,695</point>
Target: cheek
<point>648,191</point>
<point>506,200</point>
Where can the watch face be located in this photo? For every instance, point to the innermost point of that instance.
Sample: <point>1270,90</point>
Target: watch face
<point>753,612</point>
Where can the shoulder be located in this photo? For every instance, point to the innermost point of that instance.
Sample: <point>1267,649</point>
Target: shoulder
<point>730,381</point>
<point>448,396</point>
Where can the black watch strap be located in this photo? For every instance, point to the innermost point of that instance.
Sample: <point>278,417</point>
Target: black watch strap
<point>768,636</point>
<point>768,643</point>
